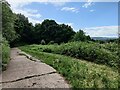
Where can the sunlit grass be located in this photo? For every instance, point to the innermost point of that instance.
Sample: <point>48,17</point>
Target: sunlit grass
<point>79,73</point>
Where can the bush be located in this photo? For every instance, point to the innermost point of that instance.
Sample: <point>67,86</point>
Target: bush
<point>5,54</point>
<point>90,51</point>
<point>47,50</point>
<point>93,52</point>
<point>80,74</point>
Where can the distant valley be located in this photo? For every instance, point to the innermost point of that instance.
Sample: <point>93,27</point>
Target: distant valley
<point>103,38</point>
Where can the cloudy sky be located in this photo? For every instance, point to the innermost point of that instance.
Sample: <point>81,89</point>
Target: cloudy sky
<point>97,19</point>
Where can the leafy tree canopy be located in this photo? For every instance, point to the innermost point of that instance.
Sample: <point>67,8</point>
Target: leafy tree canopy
<point>8,22</point>
<point>80,36</point>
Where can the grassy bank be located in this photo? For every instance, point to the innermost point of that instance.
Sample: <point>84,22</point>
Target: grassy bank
<point>106,54</point>
<point>5,54</point>
<point>79,73</point>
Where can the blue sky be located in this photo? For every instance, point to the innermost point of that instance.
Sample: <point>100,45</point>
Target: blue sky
<point>95,18</point>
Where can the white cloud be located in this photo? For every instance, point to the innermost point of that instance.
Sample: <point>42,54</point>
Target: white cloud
<point>71,9</point>
<point>70,24</point>
<point>66,23</point>
<point>87,4</point>
<point>31,10</point>
<point>17,7</point>
<point>27,13</point>
<point>92,10</point>
<point>33,15</point>
<point>34,21</point>
<point>58,3</point>
<point>103,31</point>
<point>21,3</point>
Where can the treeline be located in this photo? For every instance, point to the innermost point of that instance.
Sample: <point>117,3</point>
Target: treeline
<point>17,30</point>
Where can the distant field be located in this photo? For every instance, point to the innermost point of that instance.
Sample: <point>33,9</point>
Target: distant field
<point>96,66</point>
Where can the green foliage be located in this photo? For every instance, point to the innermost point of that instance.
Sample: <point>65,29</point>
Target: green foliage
<point>49,30</point>
<point>5,53</point>
<point>112,47</point>
<point>79,73</point>
<point>47,50</point>
<point>8,22</point>
<point>17,28</point>
<point>90,51</point>
<point>80,36</point>
<point>24,29</point>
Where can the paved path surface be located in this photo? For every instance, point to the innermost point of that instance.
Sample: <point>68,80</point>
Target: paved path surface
<point>24,73</point>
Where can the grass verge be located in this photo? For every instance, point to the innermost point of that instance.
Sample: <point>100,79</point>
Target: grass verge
<point>79,73</point>
<point>106,54</point>
<point>5,54</point>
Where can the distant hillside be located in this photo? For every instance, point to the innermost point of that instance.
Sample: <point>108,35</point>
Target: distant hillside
<point>103,38</point>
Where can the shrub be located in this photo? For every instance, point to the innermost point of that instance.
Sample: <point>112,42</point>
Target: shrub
<point>80,74</point>
<point>47,50</point>
<point>90,51</point>
<point>5,54</point>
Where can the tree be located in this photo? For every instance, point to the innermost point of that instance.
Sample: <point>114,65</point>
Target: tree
<point>8,22</point>
<point>38,33</point>
<point>64,34</point>
<point>24,29</point>
<point>49,30</point>
<point>80,36</point>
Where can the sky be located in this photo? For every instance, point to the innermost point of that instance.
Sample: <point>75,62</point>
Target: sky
<point>97,19</point>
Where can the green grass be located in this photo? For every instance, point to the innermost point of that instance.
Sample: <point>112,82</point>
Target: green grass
<point>106,54</point>
<point>79,73</point>
<point>5,54</point>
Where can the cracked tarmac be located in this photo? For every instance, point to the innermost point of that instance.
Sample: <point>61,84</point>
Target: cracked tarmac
<point>24,73</point>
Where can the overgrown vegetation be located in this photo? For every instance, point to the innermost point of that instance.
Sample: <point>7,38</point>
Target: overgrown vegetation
<point>8,18</point>
<point>5,53</point>
<point>106,54</point>
<point>79,73</point>
<point>82,71</point>
<point>7,32</point>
